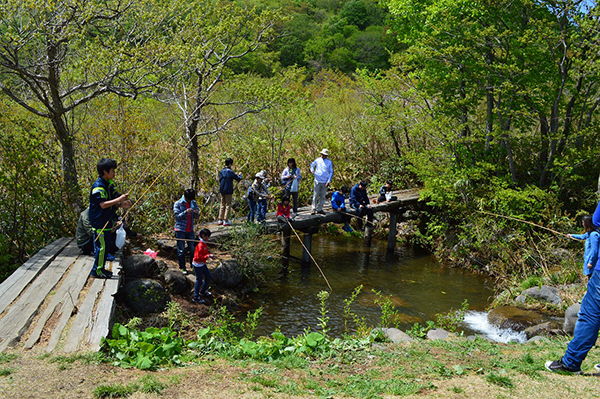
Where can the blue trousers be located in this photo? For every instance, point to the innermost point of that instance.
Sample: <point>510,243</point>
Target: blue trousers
<point>202,280</point>
<point>252,205</point>
<point>181,247</point>
<point>261,212</point>
<point>587,326</point>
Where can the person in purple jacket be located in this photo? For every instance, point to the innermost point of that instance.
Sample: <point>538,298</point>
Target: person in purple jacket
<point>587,326</point>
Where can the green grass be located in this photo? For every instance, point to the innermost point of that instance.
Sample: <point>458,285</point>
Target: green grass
<point>5,372</point>
<point>7,357</point>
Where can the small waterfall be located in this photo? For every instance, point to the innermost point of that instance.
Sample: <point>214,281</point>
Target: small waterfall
<point>478,323</point>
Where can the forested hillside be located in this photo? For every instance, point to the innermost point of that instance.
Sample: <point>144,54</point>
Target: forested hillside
<point>488,106</point>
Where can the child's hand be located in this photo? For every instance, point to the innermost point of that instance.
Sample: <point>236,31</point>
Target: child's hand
<point>590,265</point>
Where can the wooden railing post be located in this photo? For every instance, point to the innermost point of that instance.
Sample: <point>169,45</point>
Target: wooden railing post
<point>393,231</point>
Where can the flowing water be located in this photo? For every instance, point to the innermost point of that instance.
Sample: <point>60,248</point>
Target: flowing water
<point>418,285</point>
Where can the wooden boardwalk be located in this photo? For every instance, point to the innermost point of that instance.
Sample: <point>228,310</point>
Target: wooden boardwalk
<point>50,303</point>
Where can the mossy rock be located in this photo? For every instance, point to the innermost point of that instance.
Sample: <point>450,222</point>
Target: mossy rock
<point>145,296</point>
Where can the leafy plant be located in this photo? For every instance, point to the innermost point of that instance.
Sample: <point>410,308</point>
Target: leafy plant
<point>453,319</point>
<point>323,319</point>
<point>389,315</point>
<point>144,350</point>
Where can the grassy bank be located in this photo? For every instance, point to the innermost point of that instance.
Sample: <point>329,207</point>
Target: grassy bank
<point>459,367</point>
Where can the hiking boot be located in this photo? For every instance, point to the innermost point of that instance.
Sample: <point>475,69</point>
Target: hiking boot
<point>558,367</point>
<point>322,213</point>
<point>198,301</point>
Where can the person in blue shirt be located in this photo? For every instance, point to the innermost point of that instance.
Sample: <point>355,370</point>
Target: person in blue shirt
<point>385,193</point>
<point>587,326</point>
<point>186,211</point>
<point>338,204</point>
<point>226,178</point>
<point>104,202</point>
<point>359,200</point>
<point>592,240</point>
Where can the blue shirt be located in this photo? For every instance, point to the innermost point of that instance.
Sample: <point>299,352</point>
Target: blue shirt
<point>100,192</point>
<point>226,178</point>
<point>358,197</point>
<point>590,256</point>
<point>338,201</point>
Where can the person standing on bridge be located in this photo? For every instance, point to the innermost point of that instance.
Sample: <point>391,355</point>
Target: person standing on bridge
<point>185,210</point>
<point>290,178</point>
<point>104,202</point>
<point>226,178</point>
<point>322,169</point>
<point>359,200</point>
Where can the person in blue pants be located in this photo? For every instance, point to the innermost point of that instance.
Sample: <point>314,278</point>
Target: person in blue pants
<point>587,326</point>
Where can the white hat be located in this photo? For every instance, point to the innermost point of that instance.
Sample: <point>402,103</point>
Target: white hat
<point>325,151</point>
<point>261,175</point>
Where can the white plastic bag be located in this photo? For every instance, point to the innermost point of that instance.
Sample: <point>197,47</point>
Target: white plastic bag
<point>120,240</point>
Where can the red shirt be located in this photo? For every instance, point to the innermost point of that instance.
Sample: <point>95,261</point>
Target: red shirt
<point>201,253</point>
<point>283,210</point>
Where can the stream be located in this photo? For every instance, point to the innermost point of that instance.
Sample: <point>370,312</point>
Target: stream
<point>419,287</point>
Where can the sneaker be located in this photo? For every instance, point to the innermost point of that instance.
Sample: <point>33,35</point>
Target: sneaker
<point>558,367</point>
<point>110,257</point>
<point>184,271</point>
<point>313,213</point>
<point>207,294</point>
<point>597,367</point>
<point>226,223</point>
<point>220,222</point>
<point>198,301</point>
<point>322,213</point>
<point>99,275</point>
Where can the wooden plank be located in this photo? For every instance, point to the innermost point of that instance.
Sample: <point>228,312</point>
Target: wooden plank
<point>20,314</point>
<point>77,333</point>
<point>16,282</point>
<point>69,302</point>
<point>62,301</point>
<point>103,317</point>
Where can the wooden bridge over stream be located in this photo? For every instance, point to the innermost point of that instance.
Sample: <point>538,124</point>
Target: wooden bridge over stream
<point>52,304</point>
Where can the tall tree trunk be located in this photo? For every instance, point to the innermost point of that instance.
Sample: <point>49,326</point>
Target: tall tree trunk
<point>68,165</point>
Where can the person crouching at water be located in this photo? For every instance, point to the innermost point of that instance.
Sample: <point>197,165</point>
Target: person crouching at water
<point>592,240</point>
<point>283,210</point>
<point>203,277</point>
<point>338,204</point>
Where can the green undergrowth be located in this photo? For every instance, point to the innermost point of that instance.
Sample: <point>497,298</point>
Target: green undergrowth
<point>361,364</point>
<point>147,384</point>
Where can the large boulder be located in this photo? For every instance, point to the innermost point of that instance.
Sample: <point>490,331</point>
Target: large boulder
<point>543,293</point>
<point>509,317</point>
<point>227,274</point>
<point>139,266</point>
<point>545,329</point>
<point>571,316</point>
<point>438,334</point>
<point>396,336</point>
<point>177,282</point>
<point>145,296</point>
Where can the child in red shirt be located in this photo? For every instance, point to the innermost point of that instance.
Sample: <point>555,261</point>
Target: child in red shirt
<point>283,210</point>
<point>201,255</point>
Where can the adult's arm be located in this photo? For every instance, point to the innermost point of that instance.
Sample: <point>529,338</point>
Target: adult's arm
<point>596,217</point>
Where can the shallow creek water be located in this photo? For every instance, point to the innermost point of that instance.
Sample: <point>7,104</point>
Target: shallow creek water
<point>419,286</point>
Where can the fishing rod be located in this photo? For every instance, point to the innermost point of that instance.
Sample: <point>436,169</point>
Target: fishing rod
<point>309,254</point>
<point>525,221</point>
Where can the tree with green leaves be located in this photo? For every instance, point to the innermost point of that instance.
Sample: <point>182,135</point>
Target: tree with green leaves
<point>57,56</point>
<point>210,38</point>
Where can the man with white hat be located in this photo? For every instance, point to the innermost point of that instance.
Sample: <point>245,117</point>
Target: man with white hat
<point>322,169</point>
